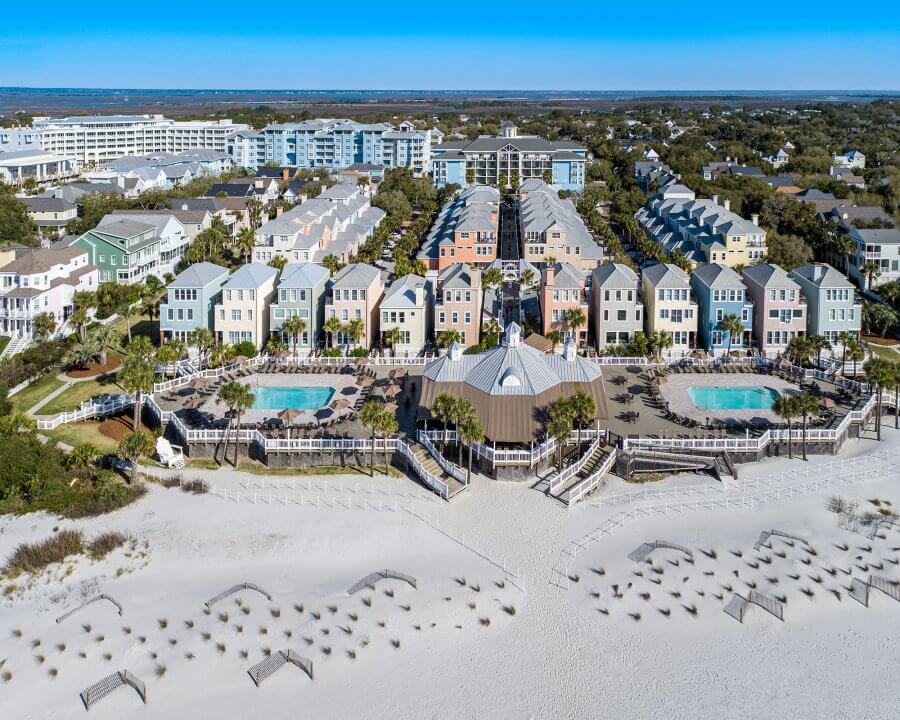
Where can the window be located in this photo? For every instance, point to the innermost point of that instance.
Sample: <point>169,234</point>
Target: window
<point>610,338</point>
<point>720,314</point>
<point>621,315</point>
<point>236,315</point>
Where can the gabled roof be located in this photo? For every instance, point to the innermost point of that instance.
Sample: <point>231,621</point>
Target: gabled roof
<point>615,276</point>
<point>822,275</point>
<point>566,276</point>
<point>402,292</point>
<point>459,275</point>
<point>302,275</point>
<point>355,275</point>
<point>769,276</point>
<point>719,277</point>
<point>666,275</point>
<point>250,277</point>
<point>41,260</point>
<point>199,275</point>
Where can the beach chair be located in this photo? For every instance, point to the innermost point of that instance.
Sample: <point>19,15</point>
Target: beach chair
<point>169,455</point>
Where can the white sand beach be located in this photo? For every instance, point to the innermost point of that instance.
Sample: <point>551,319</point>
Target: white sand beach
<point>466,642</point>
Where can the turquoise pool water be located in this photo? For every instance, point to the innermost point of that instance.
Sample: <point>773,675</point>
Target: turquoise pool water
<point>733,398</point>
<point>299,398</point>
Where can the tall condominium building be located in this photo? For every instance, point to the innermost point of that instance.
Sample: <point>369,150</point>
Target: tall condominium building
<point>95,139</point>
<point>489,159</point>
<point>333,145</point>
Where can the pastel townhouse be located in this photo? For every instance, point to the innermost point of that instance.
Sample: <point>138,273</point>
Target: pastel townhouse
<point>779,309</point>
<point>458,302</point>
<point>466,230</point>
<point>833,306</point>
<point>562,290</point>
<point>720,292</point>
<point>406,306</point>
<point>880,246</point>
<point>670,306</point>
<point>617,312</point>
<point>354,293</point>
<point>301,293</point>
<point>190,300</point>
<point>242,313</point>
<point>42,281</point>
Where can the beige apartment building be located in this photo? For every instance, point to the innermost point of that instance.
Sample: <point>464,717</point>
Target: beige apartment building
<point>243,312</point>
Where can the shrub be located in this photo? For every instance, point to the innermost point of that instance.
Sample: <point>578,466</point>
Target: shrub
<point>105,543</point>
<point>33,557</point>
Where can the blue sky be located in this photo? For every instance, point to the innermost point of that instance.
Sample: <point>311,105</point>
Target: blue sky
<point>462,44</point>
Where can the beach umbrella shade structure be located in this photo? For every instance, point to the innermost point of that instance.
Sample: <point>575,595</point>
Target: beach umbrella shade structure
<point>349,390</point>
<point>366,381</point>
<point>194,402</point>
<point>362,361</point>
<point>283,353</point>
<point>288,415</point>
<point>340,404</point>
<point>390,390</point>
<point>398,373</point>
<point>324,413</point>
<point>390,407</point>
<point>827,403</point>
<point>239,359</point>
<point>199,383</point>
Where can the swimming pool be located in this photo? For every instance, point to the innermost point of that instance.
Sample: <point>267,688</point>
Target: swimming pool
<point>299,398</point>
<point>733,398</point>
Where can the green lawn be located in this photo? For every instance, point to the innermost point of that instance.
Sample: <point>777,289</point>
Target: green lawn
<point>4,341</point>
<point>72,398</point>
<point>27,398</point>
<point>83,432</point>
<point>886,353</point>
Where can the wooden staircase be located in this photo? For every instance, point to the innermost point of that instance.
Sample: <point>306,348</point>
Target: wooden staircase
<point>431,465</point>
<point>593,463</point>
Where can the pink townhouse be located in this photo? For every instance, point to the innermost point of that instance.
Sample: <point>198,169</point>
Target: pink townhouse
<point>779,313</point>
<point>457,302</point>
<point>355,293</point>
<point>562,289</point>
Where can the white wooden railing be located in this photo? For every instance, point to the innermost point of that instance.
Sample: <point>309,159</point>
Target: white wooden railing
<point>558,481</point>
<point>448,467</point>
<point>591,481</point>
<point>507,456</point>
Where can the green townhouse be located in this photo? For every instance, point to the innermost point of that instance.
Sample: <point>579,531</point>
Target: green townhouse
<point>123,251</point>
<point>300,293</point>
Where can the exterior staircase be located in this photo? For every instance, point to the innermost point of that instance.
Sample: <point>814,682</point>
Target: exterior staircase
<point>588,469</point>
<point>15,345</point>
<point>432,466</point>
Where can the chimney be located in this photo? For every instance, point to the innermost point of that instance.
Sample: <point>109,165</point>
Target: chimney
<point>569,350</point>
<point>455,352</point>
<point>715,199</point>
<point>184,206</point>
<point>727,204</point>
<point>279,211</point>
<point>285,174</point>
<point>754,218</point>
<point>549,273</point>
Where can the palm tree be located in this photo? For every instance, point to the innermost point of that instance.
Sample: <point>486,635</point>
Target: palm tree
<point>370,416</point>
<point>220,354</point>
<point>168,354</point>
<point>387,425</point>
<point>491,277</point>
<point>447,337</point>
<point>527,279</point>
<point>870,270</point>
<point>555,338</point>
<point>895,381</point>
<point>138,373</point>
<point>254,210</point>
<point>133,446</point>
<point>246,241</point>
<point>278,262</point>
<point>816,344</point>
<point>82,456</point>
<point>103,338</point>
<point>331,263</point>
<point>392,337</point>
<point>807,405</point>
<point>332,327</point>
<point>575,319</point>
<point>204,340</point>
<point>659,341</point>
<point>583,411</point>
<point>44,325</point>
<point>83,300</point>
<point>786,407</point>
<point>855,352</point>
<point>880,374</point>
<point>470,433</point>
<point>732,325</point>
<point>463,410</point>
<point>295,327</point>
<point>239,398</point>
<point>843,338</point>
<point>442,408</point>
<point>356,329</point>
<point>559,429</point>
<point>798,349</point>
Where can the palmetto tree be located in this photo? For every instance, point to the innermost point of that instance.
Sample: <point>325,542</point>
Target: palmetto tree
<point>219,355</point>
<point>786,407</point>
<point>246,241</point>
<point>443,408</point>
<point>168,354</point>
<point>463,411</point>
<point>559,429</point>
<point>138,373</point>
<point>843,338</point>
<point>818,343</point>
<point>83,301</point>
<point>470,433</point>
<point>879,374</point>
<point>356,329</point>
<point>204,340</point>
<point>807,406</point>
<point>491,277</point>
<point>44,325</point>
<point>555,338</point>
<point>870,270</point>
<point>527,278</point>
<point>855,352</point>
<point>332,264</point>
<point>895,382</point>
<point>254,210</point>
<point>82,456</point>
<point>131,447</point>
<point>798,349</point>
<point>447,337</point>
<point>574,320</point>
<point>278,262</point>
<point>332,327</point>
<point>370,416</point>
<point>102,339</point>
<point>239,398</point>
<point>392,337</point>
<point>294,326</point>
<point>387,426</point>
<point>732,325</point>
<point>583,410</point>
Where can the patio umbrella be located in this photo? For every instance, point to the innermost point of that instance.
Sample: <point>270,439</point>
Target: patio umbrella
<point>827,403</point>
<point>398,373</point>
<point>390,390</point>
<point>362,361</point>
<point>366,381</point>
<point>349,390</point>
<point>283,353</point>
<point>239,359</point>
<point>324,413</point>
<point>288,415</point>
<point>199,383</point>
<point>340,404</point>
<point>194,402</point>
<point>390,407</point>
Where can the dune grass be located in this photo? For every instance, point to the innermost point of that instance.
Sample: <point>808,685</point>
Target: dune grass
<point>34,557</point>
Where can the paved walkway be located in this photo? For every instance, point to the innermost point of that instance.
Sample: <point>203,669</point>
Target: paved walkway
<point>69,382</point>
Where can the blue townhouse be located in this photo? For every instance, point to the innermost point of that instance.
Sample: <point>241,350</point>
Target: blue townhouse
<point>721,292</point>
<point>300,293</point>
<point>190,300</point>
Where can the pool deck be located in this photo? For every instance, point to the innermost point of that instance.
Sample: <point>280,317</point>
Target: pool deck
<point>675,392</point>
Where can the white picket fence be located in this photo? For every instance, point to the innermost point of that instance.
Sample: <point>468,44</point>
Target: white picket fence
<point>448,467</point>
<point>577,492</point>
<point>558,481</point>
<point>768,489</point>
